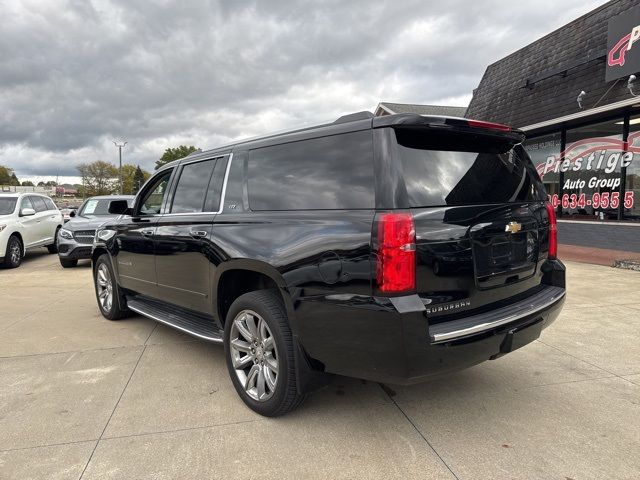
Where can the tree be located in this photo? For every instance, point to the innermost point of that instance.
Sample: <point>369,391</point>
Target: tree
<point>51,183</point>
<point>28,183</point>
<point>130,183</point>
<point>98,178</point>
<point>5,175</point>
<point>139,178</point>
<point>171,154</point>
<point>14,180</point>
<point>41,183</point>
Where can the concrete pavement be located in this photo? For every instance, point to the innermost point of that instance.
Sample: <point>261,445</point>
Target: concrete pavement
<point>83,397</point>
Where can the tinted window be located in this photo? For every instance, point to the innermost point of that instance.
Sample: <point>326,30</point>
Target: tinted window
<point>154,195</point>
<point>333,172</point>
<point>451,169</point>
<point>38,204</point>
<point>7,205</point>
<point>212,203</point>
<point>192,187</point>
<point>50,205</point>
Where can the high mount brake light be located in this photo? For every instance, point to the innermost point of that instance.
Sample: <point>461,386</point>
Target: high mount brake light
<point>396,268</point>
<point>488,125</point>
<point>553,232</point>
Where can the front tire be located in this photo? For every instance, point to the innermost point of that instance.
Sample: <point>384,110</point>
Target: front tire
<point>259,352</point>
<point>111,303</point>
<point>13,255</point>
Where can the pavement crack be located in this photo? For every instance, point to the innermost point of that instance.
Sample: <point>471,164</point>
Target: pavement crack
<point>151,333</point>
<point>178,430</point>
<point>390,393</point>
<point>114,410</point>
<point>581,359</point>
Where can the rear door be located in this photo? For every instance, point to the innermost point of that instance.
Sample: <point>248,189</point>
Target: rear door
<point>41,228</point>
<point>480,217</point>
<point>54,217</point>
<point>183,235</point>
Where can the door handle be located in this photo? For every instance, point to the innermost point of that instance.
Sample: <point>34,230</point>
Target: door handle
<point>198,233</point>
<point>147,233</point>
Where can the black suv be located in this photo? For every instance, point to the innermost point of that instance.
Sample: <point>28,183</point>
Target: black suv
<point>391,249</point>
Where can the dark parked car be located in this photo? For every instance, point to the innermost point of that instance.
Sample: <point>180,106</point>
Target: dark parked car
<point>392,249</point>
<point>75,239</point>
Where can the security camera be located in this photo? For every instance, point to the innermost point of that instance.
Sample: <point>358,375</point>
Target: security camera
<point>581,98</point>
<point>631,85</point>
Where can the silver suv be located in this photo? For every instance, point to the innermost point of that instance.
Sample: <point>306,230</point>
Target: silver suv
<point>76,237</point>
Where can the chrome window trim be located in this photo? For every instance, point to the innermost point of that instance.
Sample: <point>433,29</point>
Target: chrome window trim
<point>222,194</point>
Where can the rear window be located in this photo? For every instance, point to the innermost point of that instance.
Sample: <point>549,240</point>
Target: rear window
<point>38,204</point>
<point>454,169</point>
<point>192,187</point>
<point>327,173</point>
<point>50,205</point>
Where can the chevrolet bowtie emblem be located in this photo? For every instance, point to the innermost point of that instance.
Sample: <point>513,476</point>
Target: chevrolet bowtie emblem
<point>512,227</point>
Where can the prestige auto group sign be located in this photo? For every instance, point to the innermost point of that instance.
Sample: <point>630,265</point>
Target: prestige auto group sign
<point>591,169</point>
<point>623,45</point>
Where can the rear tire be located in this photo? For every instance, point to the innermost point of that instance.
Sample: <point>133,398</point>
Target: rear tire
<point>68,262</point>
<point>13,255</point>
<point>111,302</point>
<point>53,248</point>
<point>258,344</point>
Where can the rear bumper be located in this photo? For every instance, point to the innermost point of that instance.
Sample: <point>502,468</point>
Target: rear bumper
<point>366,337</point>
<point>464,351</point>
<point>528,308</point>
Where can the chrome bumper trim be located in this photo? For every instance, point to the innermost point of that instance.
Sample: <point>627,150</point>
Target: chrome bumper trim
<point>455,329</point>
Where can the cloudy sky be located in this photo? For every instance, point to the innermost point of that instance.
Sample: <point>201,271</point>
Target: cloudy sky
<point>77,74</point>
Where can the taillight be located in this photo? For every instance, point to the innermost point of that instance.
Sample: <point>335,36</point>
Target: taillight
<point>488,125</point>
<point>553,232</point>
<point>396,269</point>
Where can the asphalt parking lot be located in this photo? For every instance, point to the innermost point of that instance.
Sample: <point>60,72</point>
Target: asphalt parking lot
<point>83,397</point>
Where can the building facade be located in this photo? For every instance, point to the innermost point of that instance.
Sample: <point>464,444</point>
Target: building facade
<point>576,95</point>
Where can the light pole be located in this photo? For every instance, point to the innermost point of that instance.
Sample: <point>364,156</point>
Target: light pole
<point>120,147</point>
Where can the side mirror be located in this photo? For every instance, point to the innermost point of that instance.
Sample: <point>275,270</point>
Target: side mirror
<point>27,212</point>
<point>119,207</point>
<point>72,213</point>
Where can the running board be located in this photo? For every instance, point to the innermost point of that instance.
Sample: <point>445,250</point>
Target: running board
<point>188,322</point>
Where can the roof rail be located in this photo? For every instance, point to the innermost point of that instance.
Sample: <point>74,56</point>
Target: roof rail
<point>352,117</point>
<point>197,151</point>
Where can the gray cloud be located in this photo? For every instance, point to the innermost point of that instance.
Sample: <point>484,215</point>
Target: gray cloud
<point>76,74</point>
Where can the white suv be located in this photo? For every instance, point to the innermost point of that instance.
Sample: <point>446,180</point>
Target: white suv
<point>27,220</point>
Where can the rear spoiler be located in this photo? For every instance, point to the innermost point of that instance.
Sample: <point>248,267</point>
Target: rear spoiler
<point>451,124</point>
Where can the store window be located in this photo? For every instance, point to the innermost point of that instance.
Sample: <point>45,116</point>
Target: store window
<point>591,166</point>
<point>540,149</point>
<point>632,184</point>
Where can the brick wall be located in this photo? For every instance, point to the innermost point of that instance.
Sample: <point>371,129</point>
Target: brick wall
<point>600,235</point>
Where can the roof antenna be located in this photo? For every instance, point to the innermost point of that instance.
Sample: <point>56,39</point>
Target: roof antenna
<point>581,98</point>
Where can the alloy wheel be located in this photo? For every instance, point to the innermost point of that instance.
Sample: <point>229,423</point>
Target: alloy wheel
<point>254,355</point>
<point>14,252</point>
<point>104,287</point>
